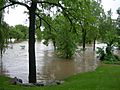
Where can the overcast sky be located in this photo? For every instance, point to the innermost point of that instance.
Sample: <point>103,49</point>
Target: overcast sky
<point>17,16</point>
<point>111,4</point>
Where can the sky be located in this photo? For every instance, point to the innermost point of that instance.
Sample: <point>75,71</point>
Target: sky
<point>17,16</point>
<point>113,5</point>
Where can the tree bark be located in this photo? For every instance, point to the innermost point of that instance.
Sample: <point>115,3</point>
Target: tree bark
<point>94,42</point>
<point>83,38</point>
<point>32,61</point>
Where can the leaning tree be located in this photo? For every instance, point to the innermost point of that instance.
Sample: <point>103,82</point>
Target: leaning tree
<point>38,8</point>
<point>2,24</point>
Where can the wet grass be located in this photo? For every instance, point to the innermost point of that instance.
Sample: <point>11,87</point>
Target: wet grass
<point>105,77</point>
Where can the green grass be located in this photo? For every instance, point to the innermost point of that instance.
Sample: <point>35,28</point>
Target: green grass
<point>105,77</point>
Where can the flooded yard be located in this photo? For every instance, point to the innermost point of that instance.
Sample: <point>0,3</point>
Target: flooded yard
<point>49,66</point>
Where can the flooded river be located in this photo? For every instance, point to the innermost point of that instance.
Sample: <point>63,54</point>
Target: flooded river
<point>49,66</point>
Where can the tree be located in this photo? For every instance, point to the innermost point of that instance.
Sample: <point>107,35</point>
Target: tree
<point>16,34</point>
<point>97,14</point>
<point>4,27</point>
<point>23,29</point>
<point>3,30</point>
<point>31,5</point>
<point>86,14</point>
<point>118,26</point>
<point>109,36</point>
<point>63,37</point>
<point>110,32</point>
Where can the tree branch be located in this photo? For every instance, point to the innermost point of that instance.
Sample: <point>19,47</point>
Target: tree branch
<point>50,3</point>
<point>6,6</point>
<point>19,3</point>
<point>43,20</point>
<point>58,5</point>
<point>13,3</point>
<point>40,18</point>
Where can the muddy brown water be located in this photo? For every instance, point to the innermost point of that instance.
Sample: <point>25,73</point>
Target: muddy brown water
<point>48,65</point>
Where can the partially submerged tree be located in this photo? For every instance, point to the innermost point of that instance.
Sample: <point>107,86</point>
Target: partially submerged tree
<point>86,14</point>
<point>64,37</point>
<point>109,36</point>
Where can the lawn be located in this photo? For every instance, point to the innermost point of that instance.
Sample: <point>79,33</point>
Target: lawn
<point>105,77</point>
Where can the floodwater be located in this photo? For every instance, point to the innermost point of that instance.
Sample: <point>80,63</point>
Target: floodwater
<point>48,65</point>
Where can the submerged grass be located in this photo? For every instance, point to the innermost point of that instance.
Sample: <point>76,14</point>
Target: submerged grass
<point>105,77</point>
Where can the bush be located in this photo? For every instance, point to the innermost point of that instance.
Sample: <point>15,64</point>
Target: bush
<point>101,53</point>
<point>108,58</point>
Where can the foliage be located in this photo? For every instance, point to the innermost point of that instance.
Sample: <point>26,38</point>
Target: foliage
<point>16,34</point>
<point>88,14</point>
<point>4,27</point>
<point>108,56</point>
<point>19,32</point>
<point>66,42</point>
<point>48,32</point>
<point>23,29</point>
<point>101,53</point>
<point>3,30</point>
<point>118,27</point>
<point>109,37</point>
<point>63,37</point>
<point>109,27</point>
<point>39,34</point>
<point>82,18</point>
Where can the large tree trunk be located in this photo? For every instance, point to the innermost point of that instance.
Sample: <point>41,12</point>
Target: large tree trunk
<point>32,61</point>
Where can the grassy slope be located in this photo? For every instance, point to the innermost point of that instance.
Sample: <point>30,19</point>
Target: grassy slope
<point>106,77</point>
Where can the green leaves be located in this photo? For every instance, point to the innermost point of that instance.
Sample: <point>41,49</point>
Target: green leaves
<point>66,41</point>
<point>3,36</point>
<point>62,35</point>
<point>77,18</point>
<point>108,30</point>
<point>19,32</point>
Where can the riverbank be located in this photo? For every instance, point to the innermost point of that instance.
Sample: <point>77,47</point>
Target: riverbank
<point>105,77</point>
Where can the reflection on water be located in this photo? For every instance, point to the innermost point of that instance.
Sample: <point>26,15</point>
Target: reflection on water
<point>49,66</point>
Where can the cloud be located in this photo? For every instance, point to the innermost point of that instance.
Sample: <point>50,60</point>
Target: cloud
<point>15,16</point>
<point>111,4</point>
